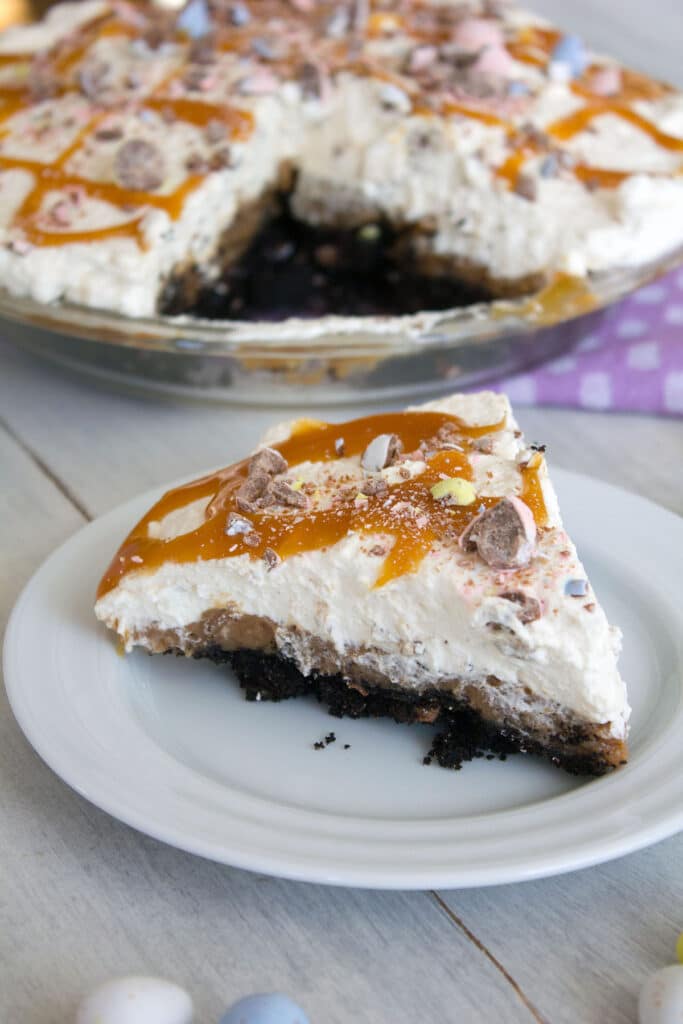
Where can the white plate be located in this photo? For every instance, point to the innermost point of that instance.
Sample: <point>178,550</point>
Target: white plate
<point>170,746</point>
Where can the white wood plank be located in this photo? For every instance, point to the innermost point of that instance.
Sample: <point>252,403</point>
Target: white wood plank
<point>85,897</point>
<point>582,945</point>
<point>34,518</point>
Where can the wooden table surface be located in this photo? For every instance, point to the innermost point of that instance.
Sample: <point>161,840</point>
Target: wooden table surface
<point>83,897</point>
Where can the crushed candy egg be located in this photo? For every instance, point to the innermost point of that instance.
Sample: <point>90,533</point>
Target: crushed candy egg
<point>455,489</point>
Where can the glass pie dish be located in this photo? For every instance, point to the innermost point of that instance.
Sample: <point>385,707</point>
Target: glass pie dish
<point>328,360</point>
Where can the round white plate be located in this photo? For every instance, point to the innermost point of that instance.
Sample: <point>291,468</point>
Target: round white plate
<point>170,746</point>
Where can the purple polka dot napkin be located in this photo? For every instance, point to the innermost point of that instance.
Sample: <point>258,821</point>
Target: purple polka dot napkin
<point>633,362</point>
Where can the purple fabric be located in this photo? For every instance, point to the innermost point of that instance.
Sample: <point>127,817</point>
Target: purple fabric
<point>633,362</point>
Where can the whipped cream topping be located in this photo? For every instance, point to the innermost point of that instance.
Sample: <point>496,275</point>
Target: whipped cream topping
<point>414,129</point>
<point>447,620</point>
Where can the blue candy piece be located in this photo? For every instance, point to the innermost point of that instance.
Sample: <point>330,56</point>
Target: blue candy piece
<point>516,88</point>
<point>266,1008</point>
<point>239,14</point>
<point>195,19</point>
<point>571,52</point>
<point>576,588</point>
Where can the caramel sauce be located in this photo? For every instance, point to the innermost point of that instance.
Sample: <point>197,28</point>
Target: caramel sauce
<point>572,125</point>
<point>511,168</point>
<point>240,123</point>
<point>54,176</point>
<point>532,44</point>
<point>563,297</point>
<point>532,491</point>
<point>600,177</point>
<point>634,86</point>
<point>406,512</point>
<point>577,122</point>
<point>473,112</point>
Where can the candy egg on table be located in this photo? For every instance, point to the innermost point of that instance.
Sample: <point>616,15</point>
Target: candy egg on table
<point>661,997</point>
<point>136,1000</point>
<point>265,1008</point>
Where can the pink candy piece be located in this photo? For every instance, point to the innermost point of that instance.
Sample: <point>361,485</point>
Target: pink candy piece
<point>259,83</point>
<point>494,60</point>
<point>60,214</point>
<point>422,57</point>
<point>475,33</point>
<point>526,516</point>
<point>606,81</point>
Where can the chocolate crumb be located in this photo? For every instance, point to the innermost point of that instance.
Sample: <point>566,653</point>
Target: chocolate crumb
<point>222,159</point>
<point>271,558</point>
<point>319,745</point>
<point>94,77</point>
<point>284,494</point>
<point>347,746</point>
<point>250,491</point>
<point>529,608</point>
<point>483,444</point>
<point>310,79</point>
<point>526,187</point>
<point>139,166</point>
<point>196,164</point>
<point>426,759</point>
<point>269,461</point>
<point>214,131</point>
<point>376,485</point>
<point>330,738</point>
<point>109,134</point>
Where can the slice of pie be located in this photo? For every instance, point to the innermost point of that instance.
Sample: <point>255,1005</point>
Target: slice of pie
<point>165,161</point>
<point>409,564</point>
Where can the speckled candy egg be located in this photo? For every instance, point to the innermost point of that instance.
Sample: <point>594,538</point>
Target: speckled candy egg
<point>268,1008</point>
<point>661,997</point>
<point>136,1001</point>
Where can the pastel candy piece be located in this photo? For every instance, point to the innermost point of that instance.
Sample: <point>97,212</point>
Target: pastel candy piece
<point>136,1000</point>
<point>661,997</point>
<point>422,57</point>
<point>195,19</point>
<point>475,33</point>
<point>606,81</point>
<point>571,54</point>
<point>494,60</point>
<point>266,1008</point>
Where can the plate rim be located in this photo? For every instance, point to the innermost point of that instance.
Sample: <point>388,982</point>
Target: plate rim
<point>666,821</point>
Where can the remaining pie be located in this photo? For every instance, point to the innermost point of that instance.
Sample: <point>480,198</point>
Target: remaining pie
<point>408,564</point>
<point>252,157</point>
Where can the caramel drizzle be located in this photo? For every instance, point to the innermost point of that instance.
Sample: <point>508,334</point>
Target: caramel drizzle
<point>533,45</point>
<point>407,512</point>
<point>568,127</point>
<point>54,176</point>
